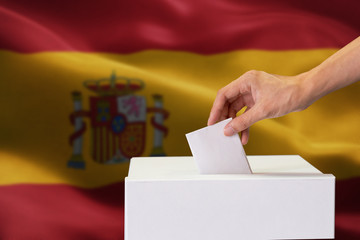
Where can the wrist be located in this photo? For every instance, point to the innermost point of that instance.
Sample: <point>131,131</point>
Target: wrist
<point>306,90</point>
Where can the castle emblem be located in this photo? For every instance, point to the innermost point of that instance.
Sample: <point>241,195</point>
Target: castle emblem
<point>118,121</point>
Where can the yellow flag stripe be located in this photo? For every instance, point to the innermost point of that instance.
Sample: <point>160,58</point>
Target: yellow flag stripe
<point>35,97</point>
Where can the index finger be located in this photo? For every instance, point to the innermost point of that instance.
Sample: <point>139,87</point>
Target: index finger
<point>223,96</point>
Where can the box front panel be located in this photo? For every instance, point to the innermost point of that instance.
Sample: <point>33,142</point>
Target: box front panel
<point>274,208</point>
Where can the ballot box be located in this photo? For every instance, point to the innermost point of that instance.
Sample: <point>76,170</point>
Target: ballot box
<point>285,198</point>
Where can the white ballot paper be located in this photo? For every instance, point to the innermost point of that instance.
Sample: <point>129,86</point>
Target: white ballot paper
<point>216,153</point>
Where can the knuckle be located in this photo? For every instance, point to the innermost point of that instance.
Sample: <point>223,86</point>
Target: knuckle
<point>240,125</point>
<point>252,73</point>
<point>252,76</point>
<point>220,92</point>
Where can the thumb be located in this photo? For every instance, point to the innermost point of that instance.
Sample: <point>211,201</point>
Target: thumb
<point>242,122</point>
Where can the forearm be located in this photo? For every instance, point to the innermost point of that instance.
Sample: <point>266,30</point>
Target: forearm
<point>338,71</point>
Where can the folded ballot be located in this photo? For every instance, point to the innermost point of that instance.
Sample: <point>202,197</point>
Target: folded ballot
<point>215,153</point>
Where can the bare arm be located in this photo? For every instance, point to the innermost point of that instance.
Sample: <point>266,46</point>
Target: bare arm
<point>269,96</point>
<point>338,71</point>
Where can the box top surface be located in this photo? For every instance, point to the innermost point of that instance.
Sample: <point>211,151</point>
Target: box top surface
<point>184,168</point>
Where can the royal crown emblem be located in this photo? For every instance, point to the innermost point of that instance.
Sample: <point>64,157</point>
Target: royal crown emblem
<point>118,121</point>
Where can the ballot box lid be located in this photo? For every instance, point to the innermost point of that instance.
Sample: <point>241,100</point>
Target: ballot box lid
<point>184,168</point>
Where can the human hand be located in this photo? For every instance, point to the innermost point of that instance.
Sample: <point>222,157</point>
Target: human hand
<point>264,96</point>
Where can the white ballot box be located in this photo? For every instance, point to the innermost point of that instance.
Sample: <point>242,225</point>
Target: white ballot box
<point>285,198</point>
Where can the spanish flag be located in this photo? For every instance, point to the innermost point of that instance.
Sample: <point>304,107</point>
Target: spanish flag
<point>86,85</point>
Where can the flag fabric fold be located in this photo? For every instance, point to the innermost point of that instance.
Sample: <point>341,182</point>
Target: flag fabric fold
<point>85,86</point>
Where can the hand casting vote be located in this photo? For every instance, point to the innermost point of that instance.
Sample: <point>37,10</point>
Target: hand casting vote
<point>265,96</point>
<point>268,96</point>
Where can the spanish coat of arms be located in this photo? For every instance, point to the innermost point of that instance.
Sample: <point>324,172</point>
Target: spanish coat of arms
<point>118,121</point>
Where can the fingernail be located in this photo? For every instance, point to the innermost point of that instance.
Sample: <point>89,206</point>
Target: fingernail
<point>229,131</point>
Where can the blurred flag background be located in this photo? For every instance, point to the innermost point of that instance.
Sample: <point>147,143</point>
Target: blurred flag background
<point>86,85</point>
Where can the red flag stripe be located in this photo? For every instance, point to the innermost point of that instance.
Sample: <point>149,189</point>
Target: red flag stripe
<point>70,212</point>
<point>200,26</point>
<point>61,212</point>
